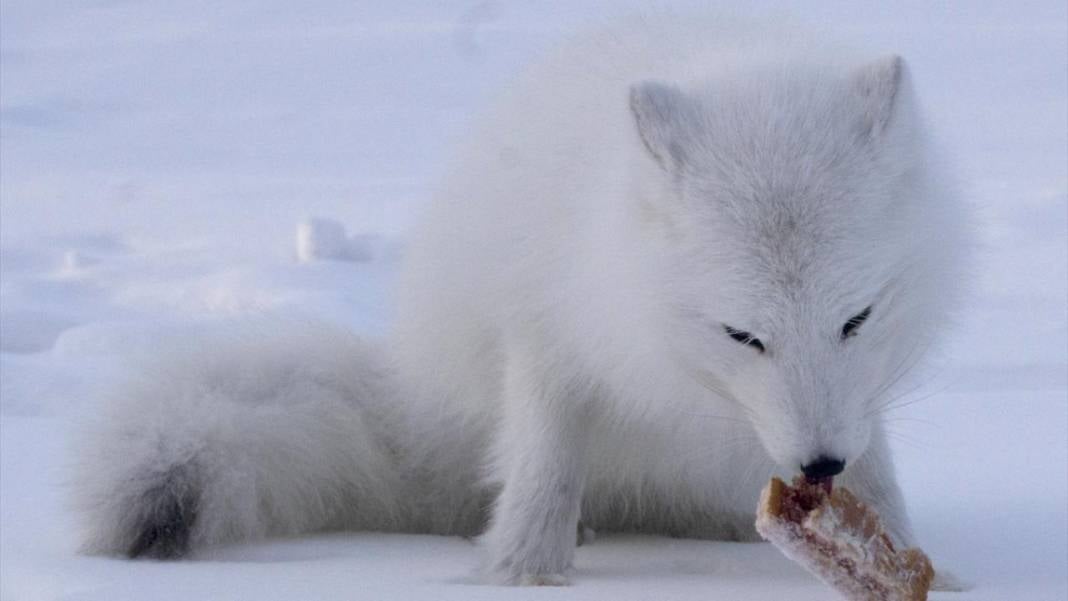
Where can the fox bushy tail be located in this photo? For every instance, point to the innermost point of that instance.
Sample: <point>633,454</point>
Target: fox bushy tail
<point>240,436</point>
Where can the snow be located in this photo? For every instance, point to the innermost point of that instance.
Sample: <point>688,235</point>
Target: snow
<point>157,158</point>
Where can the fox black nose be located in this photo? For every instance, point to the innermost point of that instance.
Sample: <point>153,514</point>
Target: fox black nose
<point>823,467</point>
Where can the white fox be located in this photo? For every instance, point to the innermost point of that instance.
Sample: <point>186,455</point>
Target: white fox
<point>681,256</point>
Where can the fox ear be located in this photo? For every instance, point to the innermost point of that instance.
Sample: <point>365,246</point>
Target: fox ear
<point>660,112</point>
<point>878,85</point>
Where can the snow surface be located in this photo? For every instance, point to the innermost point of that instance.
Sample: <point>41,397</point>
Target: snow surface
<point>157,158</point>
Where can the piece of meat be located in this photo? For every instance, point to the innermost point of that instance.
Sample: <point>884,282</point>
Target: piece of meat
<point>841,541</point>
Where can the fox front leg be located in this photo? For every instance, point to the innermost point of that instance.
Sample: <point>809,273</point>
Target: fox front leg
<point>541,460</point>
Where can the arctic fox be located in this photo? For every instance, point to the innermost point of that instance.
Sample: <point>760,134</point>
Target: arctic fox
<point>679,257</point>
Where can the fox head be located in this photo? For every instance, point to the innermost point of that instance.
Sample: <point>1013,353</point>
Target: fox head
<point>806,252</point>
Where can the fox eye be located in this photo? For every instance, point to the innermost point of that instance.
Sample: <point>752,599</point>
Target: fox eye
<point>744,338</point>
<point>850,328</point>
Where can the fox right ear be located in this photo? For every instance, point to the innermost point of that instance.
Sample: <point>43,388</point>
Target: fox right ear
<point>659,112</point>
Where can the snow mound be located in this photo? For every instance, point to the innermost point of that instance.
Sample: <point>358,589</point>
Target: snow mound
<point>319,239</point>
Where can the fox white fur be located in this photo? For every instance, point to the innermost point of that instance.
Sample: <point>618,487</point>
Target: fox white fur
<point>560,352</point>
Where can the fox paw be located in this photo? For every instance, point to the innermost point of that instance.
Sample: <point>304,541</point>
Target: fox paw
<point>513,572</point>
<point>505,576</point>
<point>542,580</point>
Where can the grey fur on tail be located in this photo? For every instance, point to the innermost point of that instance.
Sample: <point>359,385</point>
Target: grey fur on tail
<point>168,514</point>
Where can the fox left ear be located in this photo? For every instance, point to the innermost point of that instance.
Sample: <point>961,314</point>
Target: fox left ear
<point>877,85</point>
